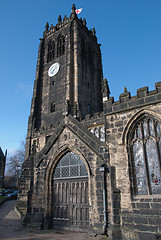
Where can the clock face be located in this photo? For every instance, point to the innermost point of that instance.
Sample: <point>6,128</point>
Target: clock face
<point>53,70</point>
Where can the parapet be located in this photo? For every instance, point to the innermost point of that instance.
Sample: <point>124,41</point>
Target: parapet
<point>61,23</point>
<point>144,97</point>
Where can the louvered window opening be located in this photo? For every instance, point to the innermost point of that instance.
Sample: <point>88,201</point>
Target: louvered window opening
<point>51,51</point>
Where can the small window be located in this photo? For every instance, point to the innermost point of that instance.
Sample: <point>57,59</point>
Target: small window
<point>61,46</point>
<point>52,108</point>
<point>51,50</point>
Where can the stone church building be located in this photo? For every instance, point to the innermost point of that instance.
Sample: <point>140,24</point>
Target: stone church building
<point>92,164</point>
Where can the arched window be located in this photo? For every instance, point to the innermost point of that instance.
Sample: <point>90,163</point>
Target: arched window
<point>51,50</point>
<point>70,166</point>
<point>145,152</point>
<point>61,45</point>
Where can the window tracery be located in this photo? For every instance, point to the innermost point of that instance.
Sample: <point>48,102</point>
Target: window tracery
<point>61,45</point>
<point>99,132</point>
<point>145,151</point>
<point>51,50</point>
<point>70,166</point>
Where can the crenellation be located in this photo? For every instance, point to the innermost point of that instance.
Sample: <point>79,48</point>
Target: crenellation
<point>124,97</point>
<point>126,102</point>
<point>142,92</point>
<point>158,87</point>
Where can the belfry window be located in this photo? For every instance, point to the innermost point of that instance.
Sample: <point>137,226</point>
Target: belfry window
<point>145,149</point>
<point>61,45</point>
<point>51,50</point>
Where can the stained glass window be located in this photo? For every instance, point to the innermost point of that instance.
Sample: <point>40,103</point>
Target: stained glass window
<point>70,166</point>
<point>140,167</point>
<point>146,155</point>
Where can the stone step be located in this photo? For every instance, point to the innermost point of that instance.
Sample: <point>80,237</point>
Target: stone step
<point>21,212</point>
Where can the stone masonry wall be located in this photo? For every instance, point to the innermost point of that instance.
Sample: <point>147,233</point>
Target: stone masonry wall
<point>135,220</point>
<point>92,153</point>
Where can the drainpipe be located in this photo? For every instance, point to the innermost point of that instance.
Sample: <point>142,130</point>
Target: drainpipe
<point>103,170</point>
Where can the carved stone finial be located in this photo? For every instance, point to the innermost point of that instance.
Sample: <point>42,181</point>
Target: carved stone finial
<point>73,8</point>
<point>59,19</point>
<point>125,89</point>
<point>73,13</point>
<point>65,17</point>
<point>47,27</point>
<point>84,22</point>
<point>94,32</point>
<point>105,88</point>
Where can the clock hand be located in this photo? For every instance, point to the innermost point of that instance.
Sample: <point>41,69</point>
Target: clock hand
<point>53,69</point>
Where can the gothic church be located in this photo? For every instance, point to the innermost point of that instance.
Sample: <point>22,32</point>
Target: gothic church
<point>92,164</point>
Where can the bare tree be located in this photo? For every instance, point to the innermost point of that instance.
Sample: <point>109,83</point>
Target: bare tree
<point>15,161</point>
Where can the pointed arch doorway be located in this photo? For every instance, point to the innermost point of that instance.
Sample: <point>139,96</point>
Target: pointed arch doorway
<point>70,194</point>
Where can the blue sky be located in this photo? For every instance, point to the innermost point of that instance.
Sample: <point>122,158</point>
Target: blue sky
<point>129,32</point>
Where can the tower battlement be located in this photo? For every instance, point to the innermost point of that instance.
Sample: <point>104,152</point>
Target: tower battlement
<point>66,20</point>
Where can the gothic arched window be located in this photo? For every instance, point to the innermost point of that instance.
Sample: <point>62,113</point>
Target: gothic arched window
<point>145,151</point>
<point>51,50</point>
<point>61,45</point>
<point>70,166</point>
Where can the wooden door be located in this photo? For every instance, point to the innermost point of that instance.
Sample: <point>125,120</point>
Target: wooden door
<point>70,194</point>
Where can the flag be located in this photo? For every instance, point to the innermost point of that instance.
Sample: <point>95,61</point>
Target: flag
<point>78,10</point>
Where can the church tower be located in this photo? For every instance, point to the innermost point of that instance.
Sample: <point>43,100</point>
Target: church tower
<point>68,75</point>
<point>63,146</point>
